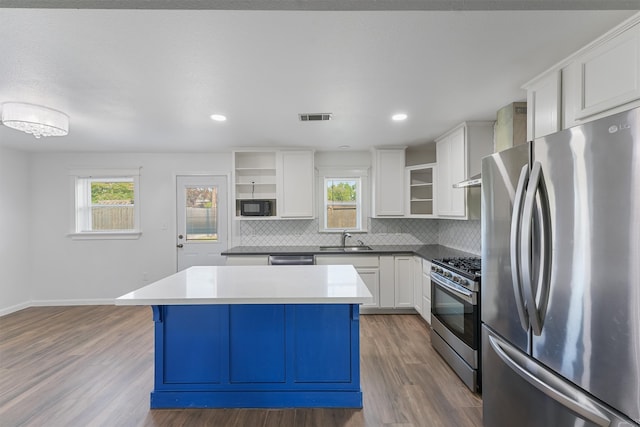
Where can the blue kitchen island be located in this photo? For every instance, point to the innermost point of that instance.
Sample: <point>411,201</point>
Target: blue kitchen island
<point>256,336</point>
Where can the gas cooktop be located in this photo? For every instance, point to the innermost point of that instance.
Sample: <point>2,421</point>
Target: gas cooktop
<point>469,267</point>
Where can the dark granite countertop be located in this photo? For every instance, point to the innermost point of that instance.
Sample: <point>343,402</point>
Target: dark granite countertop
<point>428,252</point>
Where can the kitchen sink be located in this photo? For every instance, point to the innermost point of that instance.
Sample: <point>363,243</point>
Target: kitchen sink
<point>346,248</point>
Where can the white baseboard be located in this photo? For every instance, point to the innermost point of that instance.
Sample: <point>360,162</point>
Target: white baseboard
<point>63,302</point>
<point>14,308</point>
<point>55,303</point>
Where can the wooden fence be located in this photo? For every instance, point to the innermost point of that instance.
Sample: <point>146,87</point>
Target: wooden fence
<point>341,216</point>
<point>112,217</point>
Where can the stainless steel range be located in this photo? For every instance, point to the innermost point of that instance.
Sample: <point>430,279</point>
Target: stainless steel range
<point>455,315</point>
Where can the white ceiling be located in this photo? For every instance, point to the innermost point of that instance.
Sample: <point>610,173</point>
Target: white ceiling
<point>147,80</point>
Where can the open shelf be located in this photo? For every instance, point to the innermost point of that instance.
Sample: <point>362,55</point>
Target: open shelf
<point>421,193</point>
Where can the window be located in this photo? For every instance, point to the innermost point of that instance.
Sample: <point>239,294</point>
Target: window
<point>106,204</point>
<point>343,199</point>
<point>201,213</point>
<point>342,203</point>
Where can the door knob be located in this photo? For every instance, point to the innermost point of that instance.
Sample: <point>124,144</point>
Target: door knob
<point>179,245</point>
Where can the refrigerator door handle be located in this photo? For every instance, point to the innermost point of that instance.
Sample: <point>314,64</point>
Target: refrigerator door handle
<point>516,216</point>
<point>536,195</point>
<point>548,383</point>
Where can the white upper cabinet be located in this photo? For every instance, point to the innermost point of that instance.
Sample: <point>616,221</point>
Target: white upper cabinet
<point>609,74</point>
<point>601,79</point>
<point>388,182</point>
<point>286,178</point>
<point>459,153</point>
<point>543,106</point>
<point>420,184</point>
<point>297,184</point>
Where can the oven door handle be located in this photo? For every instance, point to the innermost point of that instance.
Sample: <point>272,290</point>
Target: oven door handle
<point>462,294</point>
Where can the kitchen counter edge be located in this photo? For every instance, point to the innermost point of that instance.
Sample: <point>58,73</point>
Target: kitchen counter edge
<point>427,252</point>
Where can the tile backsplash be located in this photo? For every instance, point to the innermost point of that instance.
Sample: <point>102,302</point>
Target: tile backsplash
<point>462,235</point>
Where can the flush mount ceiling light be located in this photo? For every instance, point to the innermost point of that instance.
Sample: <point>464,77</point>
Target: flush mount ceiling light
<point>399,117</point>
<point>35,119</point>
<point>218,117</point>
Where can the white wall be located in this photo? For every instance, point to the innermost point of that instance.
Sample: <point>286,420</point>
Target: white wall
<point>15,230</point>
<point>83,271</point>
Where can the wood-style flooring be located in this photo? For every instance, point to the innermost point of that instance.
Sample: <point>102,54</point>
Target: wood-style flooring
<point>93,366</point>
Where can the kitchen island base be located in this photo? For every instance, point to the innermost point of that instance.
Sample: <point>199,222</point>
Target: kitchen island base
<point>256,356</point>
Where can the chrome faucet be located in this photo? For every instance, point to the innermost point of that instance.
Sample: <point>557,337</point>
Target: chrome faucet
<point>344,238</point>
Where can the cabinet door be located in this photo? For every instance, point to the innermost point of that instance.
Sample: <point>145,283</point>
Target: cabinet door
<point>322,336</point>
<point>452,168</point>
<point>420,190</point>
<point>444,181</point>
<point>417,284</point>
<point>543,106</point>
<point>257,343</point>
<point>389,182</point>
<point>387,281</point>
<point>371,278</point>
<point>190,346</point>
<point>403,281</point>
<point>297,185</point>
<point>426,290</point>
<point>610,74</point>
<point>247,260</point>
<point>458,172</point>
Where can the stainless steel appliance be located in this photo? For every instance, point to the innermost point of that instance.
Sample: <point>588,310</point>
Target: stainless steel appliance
<point>561,278</point>
<point>292,260</point>
<point>455,315</point>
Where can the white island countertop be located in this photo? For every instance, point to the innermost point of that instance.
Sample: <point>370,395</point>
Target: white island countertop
<point>255,284</point>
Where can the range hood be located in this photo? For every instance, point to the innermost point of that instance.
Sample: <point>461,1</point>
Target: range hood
<point>474,181</point>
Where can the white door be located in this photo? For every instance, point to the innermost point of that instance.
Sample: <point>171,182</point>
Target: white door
<point>202,207</point>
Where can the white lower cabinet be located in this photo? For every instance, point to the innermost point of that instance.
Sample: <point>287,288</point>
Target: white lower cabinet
<point>371,278</point>
<point>396,281</point>
<point>247,260</point>
<point>417,284</point>
<point>426,290</point>
<point>387,281</point>
<point>367,267</point>
<point>389,278</point>
<point>403,283</point>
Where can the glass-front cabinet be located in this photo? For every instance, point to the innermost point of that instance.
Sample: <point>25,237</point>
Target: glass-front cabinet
<point>420,180</point>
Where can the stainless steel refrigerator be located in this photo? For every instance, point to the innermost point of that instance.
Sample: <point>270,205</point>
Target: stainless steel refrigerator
<point>561,278</point>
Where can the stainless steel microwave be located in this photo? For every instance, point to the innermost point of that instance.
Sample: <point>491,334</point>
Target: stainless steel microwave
<point>256,207</point>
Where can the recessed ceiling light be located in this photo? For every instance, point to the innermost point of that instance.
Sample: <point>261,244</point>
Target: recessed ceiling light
<point>399,117</point>
<point>218,117</point>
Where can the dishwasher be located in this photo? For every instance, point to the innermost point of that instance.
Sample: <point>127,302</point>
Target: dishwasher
<point>292,260</point>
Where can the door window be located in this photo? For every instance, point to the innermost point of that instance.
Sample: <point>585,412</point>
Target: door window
<point>201,213</point>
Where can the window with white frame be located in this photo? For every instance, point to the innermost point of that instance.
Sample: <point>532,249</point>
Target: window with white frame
<point>106,204</point>
<point>343,201</point>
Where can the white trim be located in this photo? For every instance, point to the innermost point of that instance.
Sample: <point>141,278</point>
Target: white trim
<point>14,308</point>
<point>81,203</point>
<point>612,33</point>
<point>55,303</point>
<point>106,235</point>
<point>344,172</point>
<point>104,173</point>
<point>71,302</point>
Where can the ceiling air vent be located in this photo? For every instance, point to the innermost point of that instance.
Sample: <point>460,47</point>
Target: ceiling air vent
<point>314,117</point>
